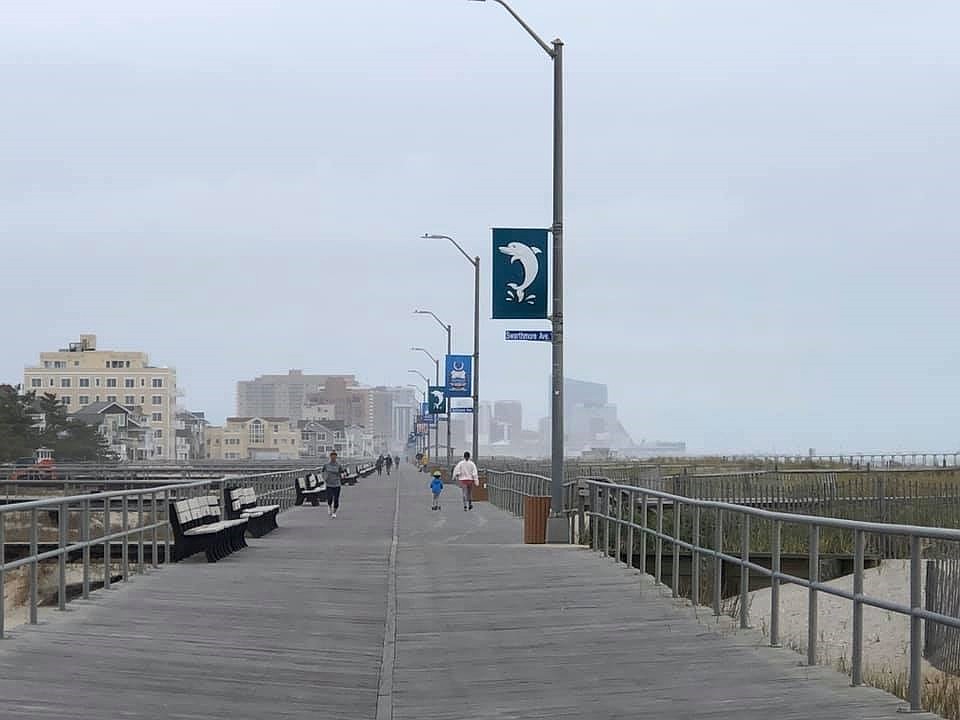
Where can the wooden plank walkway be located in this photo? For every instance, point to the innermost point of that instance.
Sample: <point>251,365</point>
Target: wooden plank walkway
<point>481,627</point>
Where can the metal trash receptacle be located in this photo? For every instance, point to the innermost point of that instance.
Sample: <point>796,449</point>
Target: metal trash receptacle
<point>536,510</point>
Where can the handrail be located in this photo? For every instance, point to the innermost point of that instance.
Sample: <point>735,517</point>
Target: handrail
<point>612,495</point>
<point>151,508</point>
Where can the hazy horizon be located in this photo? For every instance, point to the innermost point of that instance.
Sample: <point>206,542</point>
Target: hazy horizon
<point>760,233</point>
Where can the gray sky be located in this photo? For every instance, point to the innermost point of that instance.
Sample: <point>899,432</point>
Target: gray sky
<point>761,236</point>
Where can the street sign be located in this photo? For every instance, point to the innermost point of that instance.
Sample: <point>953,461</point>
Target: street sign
<point>534,335</point>
<point>519,273</point>
<point>461,410</point>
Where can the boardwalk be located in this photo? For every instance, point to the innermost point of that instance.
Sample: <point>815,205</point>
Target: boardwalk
<point>471,624</point>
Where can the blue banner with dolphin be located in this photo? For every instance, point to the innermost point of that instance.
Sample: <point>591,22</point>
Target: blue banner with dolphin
<point>519,273</point>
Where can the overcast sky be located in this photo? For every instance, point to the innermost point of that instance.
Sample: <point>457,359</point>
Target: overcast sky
<point>761,206</point>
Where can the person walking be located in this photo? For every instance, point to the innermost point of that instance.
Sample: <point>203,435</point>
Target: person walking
<point>332,473</point>
<point>466,476</point>
<point>436,487</point>
<point>389,463</point>
<point>379,465</point>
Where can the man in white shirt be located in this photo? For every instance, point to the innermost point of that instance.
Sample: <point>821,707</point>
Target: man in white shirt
<point>466,476</point>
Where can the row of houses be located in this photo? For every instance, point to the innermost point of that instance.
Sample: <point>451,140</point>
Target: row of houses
<point>130,437</point>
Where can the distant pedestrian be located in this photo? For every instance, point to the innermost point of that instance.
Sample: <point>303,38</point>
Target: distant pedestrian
<point>379,465</point>
<point>396,462</point>
<point>436,487</point>
<point>333,473</point>
<point>389,463</point>
<point>466,476</point>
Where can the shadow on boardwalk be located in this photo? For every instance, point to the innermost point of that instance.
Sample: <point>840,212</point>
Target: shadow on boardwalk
<point>294,626</point>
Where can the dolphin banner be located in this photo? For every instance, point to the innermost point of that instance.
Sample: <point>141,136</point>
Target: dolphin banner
<point>459,376</point>
<point>438,400</point>
<point>519,273</point>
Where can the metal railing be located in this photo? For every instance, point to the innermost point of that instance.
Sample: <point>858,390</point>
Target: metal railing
<point>612,515</point>
<point>506,489</point>
<point>137,520</point>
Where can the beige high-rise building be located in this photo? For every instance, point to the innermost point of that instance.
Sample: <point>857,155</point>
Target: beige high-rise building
<point>283,395</point>
<point>254,438</point>
<point>80,375</point>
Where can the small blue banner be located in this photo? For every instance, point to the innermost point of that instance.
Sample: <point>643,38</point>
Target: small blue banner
<point>519,273</point>
<point>459,376</point>
<point>534,335</point>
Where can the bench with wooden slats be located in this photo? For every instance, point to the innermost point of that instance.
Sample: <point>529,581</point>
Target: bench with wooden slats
<point>241,503</point>
<point>310,487</point>
<point>199,527</point>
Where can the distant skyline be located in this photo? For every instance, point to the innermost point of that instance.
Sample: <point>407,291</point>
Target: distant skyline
<point>761,234</point>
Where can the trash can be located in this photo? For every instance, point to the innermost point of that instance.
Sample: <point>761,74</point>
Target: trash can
<point>480,489</point>
<point>536,511</point>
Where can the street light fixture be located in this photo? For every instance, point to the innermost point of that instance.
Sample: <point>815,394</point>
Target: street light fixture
<point>555,51</point>
<point>448,328</point>
<point>475,261</point>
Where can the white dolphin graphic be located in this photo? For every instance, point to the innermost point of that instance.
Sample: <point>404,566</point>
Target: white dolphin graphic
<point>437,398</point>
<point>527,257</point>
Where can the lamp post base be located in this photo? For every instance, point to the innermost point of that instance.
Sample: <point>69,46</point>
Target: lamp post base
<point>558,531</point>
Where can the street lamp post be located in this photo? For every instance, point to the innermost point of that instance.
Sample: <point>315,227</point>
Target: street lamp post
<point>475,261</point>
<point>555,51</point>
<point>426,396</point>
<point>436,427</point>
<point>448,328</point>
<point>416,391</point>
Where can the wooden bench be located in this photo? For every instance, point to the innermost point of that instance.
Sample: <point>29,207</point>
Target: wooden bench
<point>198,527</point>
<point>241,503</point>
<point>310,487</point>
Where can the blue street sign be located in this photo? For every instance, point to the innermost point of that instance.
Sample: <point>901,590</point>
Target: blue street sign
<point>438,400</point>
<point>534,335</point>
<point>519,273</point>
<point>461,410</point>
<point>459,375</point>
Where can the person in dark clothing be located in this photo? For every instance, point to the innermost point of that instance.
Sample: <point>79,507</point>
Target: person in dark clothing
<point>379,465</point>
<point>333,473</point>
<point>389,463</point>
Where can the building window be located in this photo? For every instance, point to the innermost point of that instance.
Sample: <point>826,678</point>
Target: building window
<point>256,432</point>
<point>158,433</point>
<point>159,449</point>
<point>157,400</point>
<point>322,436</point>
<point>96,382</point>
<point>76,363</point>
<point>52,382</point>
<point>143,399</point>
<point>111,382</point>
<point>276,428</point>
<point>158,382</point>
<point>84,382</point>
<point>65,399</point>
<point>126,364</point>
<point>129,382</point>
<point>111,398</point>
<point>60,364</point>
<point>97,399</point>
<point>84,400</point>
<point>64,382</point>
<point>129,400</point>
<point>36,382</point>
<point>157,417</point>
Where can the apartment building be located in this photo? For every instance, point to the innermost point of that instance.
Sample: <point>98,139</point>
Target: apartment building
<point>253,438</point>
<point>284,395</point>
<point>80,375</point>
